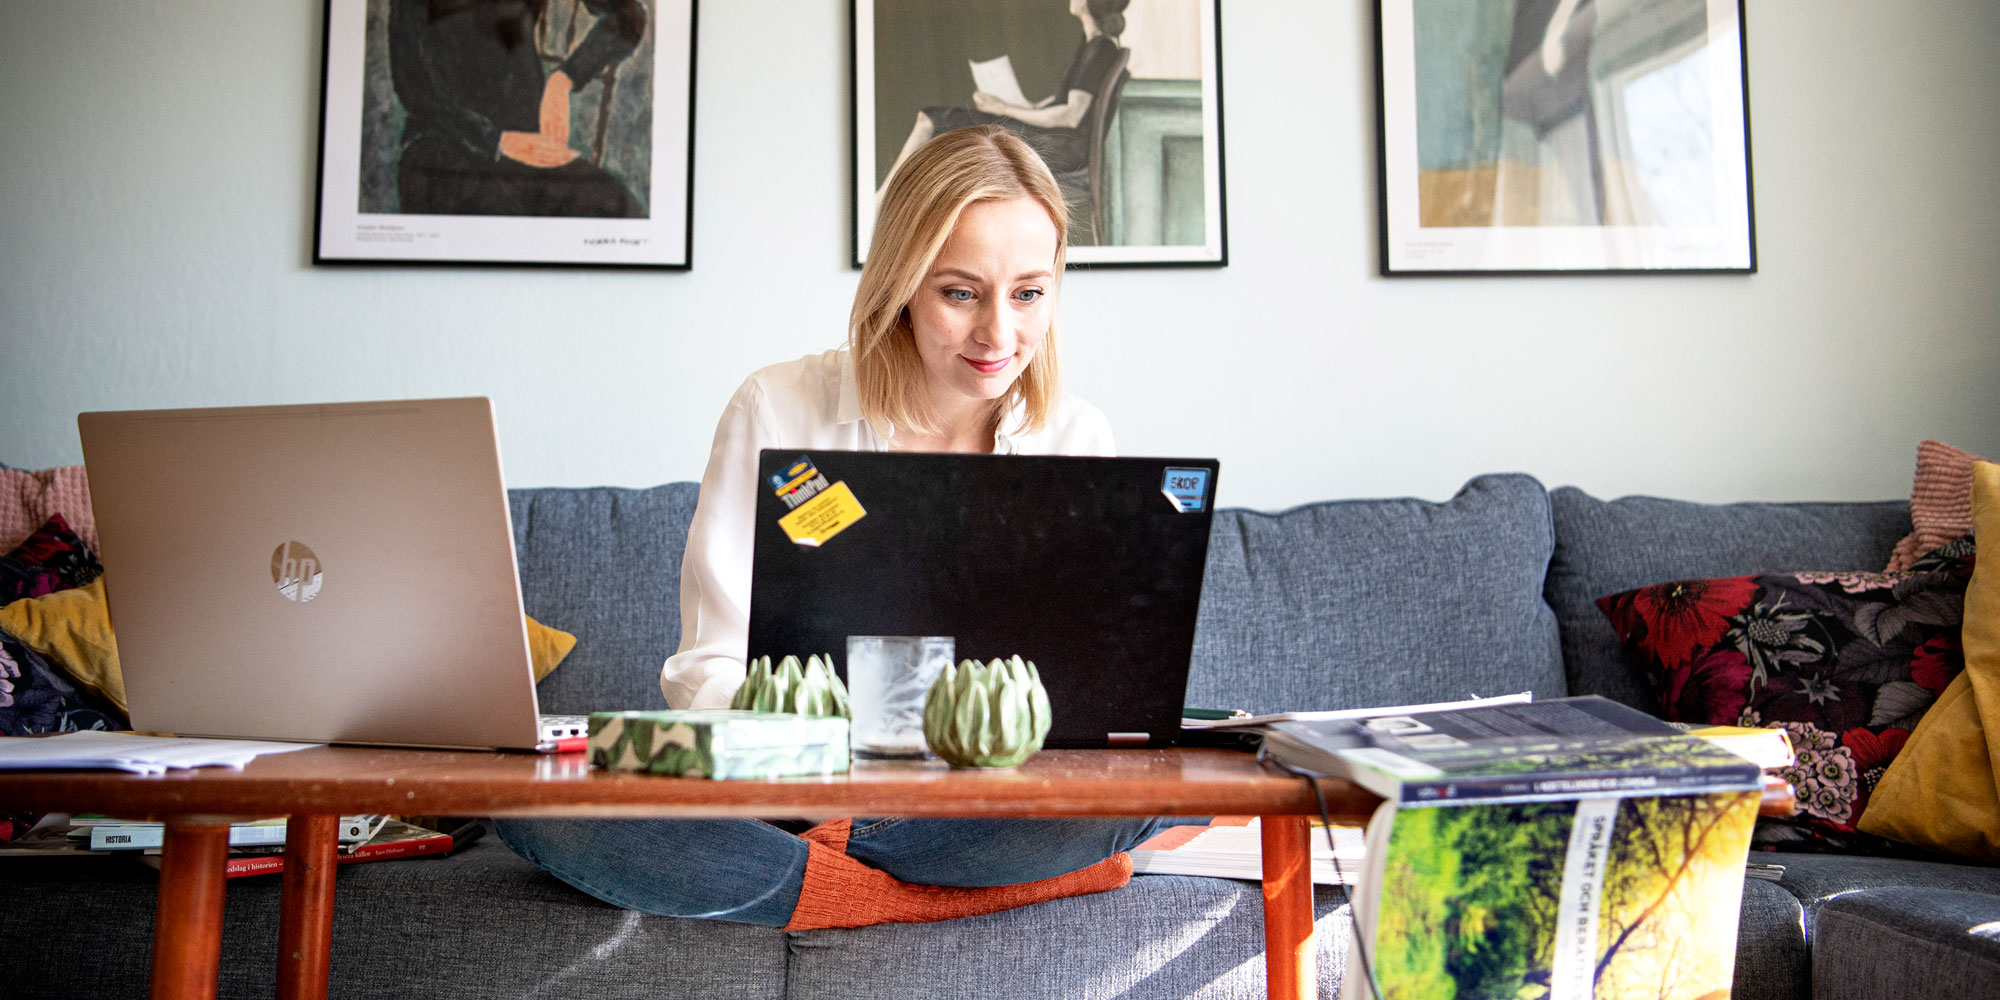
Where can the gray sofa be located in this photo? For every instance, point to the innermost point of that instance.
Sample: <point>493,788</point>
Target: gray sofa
<point>1326,605</point>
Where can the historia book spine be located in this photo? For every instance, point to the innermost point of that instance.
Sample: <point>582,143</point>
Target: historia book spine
<point>395,840</point>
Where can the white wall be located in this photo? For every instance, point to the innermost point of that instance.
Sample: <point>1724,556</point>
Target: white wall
<point>156,199</point>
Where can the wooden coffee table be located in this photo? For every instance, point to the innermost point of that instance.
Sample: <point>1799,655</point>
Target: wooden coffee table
<point>316,786</point>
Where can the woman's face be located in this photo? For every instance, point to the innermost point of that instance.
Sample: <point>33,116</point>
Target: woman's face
<point>983,310</point>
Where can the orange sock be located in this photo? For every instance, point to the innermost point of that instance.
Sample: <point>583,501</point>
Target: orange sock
<point>842,892</point>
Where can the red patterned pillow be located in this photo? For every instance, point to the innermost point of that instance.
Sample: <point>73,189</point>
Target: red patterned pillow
<point>51,559</point>
<point>1847,662</point>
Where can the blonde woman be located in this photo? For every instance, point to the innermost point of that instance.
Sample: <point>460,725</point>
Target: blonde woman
<point>951,347</point>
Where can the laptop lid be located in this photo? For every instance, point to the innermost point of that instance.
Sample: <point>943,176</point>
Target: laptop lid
<point>1090,567</point>
<point>335,573</point>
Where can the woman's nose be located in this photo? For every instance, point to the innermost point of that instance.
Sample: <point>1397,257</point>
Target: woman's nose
<point>994,330</point>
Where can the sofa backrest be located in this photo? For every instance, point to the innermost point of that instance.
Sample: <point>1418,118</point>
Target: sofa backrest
<point>1351,603</point>
<point>1609,546</point>
<point>605,565</point>
<point>1329,605</point>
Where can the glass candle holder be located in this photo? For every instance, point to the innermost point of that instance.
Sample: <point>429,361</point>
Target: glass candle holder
<point>888,677</point>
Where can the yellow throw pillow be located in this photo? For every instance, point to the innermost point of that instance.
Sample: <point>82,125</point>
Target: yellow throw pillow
<point>1943,792</point>
<point>73,629</point>
<point>547,647</point>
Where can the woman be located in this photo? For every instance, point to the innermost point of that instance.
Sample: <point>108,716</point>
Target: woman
<point>1053,129</point>
<point>951,347</point>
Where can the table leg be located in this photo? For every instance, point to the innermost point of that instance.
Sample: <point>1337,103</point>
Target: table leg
<point>1289,959</point>
<point>305,921</point>
<point>187,930</point>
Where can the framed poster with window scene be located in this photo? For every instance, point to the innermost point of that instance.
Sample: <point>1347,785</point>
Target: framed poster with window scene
<point>1564,136</point>
<point>552,132</point>
<point>1122,98</point>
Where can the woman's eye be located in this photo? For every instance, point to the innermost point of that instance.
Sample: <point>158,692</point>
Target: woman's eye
<point>1028,294</point>
<point>958,294</point>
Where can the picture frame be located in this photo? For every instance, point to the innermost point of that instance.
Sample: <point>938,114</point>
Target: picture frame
<point>1564,137</point>
<point>1139,155</point>
<point>463,136</point>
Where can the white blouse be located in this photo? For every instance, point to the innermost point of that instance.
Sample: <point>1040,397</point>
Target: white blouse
<point>806,404</point>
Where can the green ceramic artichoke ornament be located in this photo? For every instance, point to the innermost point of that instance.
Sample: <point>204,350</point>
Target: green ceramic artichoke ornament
<point>813,690</point>
<point>986,716</point>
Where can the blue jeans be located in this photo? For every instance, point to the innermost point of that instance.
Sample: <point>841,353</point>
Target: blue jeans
<point>750,872</point>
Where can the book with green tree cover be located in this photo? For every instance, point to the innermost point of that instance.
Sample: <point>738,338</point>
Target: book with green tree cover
<point>1627,896</point>
<point>1563,849</point>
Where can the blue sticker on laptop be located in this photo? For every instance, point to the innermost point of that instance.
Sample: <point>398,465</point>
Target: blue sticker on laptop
<point>798,482</point>
<point>1187,488</point>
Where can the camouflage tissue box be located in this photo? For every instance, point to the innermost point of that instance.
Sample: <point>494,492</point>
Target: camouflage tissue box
<point>718,743</point>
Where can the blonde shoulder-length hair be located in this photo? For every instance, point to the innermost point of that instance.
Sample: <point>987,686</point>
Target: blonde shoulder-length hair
<point>917,214</point>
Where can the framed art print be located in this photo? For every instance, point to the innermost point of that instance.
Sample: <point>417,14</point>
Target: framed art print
<point>1122,98</point>
<point>507,132</point>
<point>1564,136</point>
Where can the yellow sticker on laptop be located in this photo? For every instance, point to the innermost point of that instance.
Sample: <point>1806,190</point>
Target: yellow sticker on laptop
<point>827,514</point>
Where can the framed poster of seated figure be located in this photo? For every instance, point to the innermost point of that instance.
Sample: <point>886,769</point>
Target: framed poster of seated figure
<point>500,132</point>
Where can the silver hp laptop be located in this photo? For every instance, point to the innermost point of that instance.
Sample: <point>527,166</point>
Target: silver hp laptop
<point>337,573</point>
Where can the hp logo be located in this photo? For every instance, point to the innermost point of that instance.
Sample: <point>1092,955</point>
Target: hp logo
<point>296,571</point>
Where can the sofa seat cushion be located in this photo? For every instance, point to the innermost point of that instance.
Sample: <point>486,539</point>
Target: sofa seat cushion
<point>1609,546</point>
<point>1815,878</point>
<point>1378,602</point>
<point>1907,943</point>
<point>1159,936</point>
<point>605,565</point>
<point>478,923</point>
<point>1771,958</point>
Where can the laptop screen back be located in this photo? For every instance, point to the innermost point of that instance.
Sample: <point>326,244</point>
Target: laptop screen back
<point>1089,567</point>
<point>326,573</point>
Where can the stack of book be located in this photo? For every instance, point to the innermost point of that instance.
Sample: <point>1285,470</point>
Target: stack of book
<point>255,847</point>
<point>1593,847</point>
<point>106,833</point>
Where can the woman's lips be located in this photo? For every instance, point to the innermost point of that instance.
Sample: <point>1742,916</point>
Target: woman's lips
<point>987,367</point>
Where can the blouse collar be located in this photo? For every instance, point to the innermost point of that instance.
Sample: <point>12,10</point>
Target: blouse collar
<point>849,411</point>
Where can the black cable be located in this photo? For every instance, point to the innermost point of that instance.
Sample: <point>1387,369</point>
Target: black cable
<point>1339,873</point>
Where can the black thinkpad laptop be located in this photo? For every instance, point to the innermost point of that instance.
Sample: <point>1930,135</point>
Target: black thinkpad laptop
<point>1090,567</point>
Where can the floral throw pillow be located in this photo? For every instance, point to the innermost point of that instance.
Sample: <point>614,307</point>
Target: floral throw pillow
<point>53,558</point>
<point>1847,662</point>
<point>38,697</point>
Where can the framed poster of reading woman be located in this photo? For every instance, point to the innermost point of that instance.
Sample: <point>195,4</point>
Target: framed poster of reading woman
<point>1122,99</point>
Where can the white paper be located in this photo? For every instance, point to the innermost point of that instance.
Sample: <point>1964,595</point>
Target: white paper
<point>1238,852</point>
<point>99,750</point>
<point>1356,713</point>
<point>996,77</point>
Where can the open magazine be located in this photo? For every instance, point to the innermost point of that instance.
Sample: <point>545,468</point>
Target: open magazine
<point>1232,847</point>
<point>1564,849</point>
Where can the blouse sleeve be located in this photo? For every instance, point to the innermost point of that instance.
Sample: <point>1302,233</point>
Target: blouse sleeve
<point>715,570</point>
